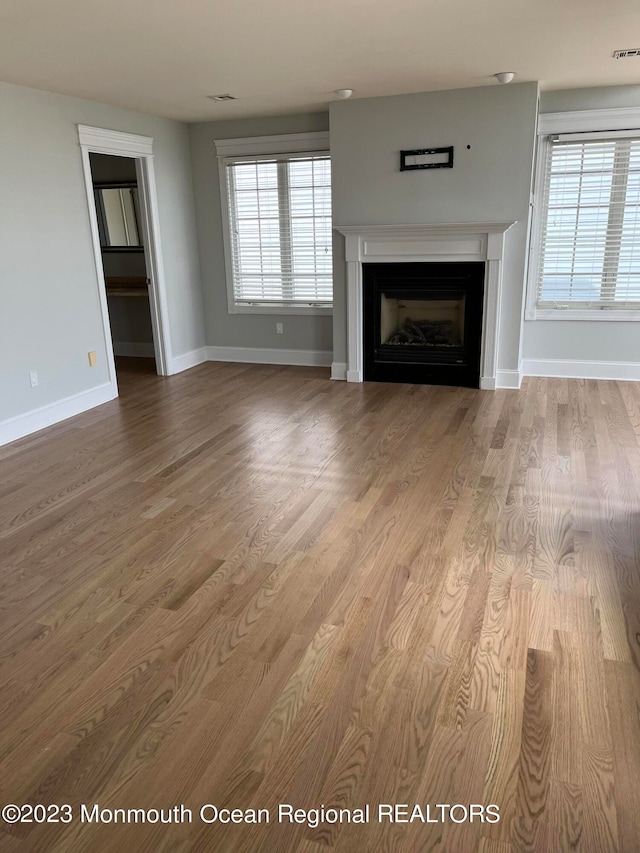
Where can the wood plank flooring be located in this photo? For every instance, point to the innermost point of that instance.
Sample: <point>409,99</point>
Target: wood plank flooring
<point>249,585</point>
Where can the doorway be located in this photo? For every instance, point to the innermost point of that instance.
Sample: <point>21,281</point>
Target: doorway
<point>116,197</point>
<point>122,202</point>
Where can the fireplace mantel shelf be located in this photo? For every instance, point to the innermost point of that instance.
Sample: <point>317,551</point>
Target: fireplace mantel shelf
<point>460,241</point>
<point>419,230</point>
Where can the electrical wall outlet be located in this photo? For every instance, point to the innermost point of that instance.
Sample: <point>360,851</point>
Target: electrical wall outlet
<point>279,328</point>
<point>33,378</point>
<point>93,358</point>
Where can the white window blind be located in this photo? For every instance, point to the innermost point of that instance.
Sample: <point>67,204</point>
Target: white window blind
<point>590,239</point>
<point>280,229</point>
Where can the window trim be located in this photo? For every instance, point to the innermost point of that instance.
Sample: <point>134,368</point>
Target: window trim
<point>256,147</point>
<point>578,122</point>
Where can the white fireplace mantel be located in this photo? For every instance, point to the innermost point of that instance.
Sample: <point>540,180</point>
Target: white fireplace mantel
<point>469,241</point>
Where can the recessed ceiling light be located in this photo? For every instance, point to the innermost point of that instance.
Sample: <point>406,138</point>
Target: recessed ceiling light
<point>625,54</point>
<point>222,97</point>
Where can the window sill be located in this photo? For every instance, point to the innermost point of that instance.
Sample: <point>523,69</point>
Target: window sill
<point>588,314</point>
<point>300,310</point>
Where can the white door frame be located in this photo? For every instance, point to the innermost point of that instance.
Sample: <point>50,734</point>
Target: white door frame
<point>101,141</point>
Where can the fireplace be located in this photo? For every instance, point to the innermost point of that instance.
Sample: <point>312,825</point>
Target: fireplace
<point>423,322</point>
<point>467,243</point>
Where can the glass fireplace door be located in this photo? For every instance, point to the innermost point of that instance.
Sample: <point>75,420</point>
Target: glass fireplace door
<point>422,322</point>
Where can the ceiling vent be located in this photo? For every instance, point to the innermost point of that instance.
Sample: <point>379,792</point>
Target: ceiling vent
<point>625,54</point>
<point>222,97</point>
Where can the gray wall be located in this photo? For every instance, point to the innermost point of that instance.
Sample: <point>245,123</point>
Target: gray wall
<point>243,330</point>
<point>597,98</point>
<point>584,340</point>
<point>489,182</point>
<point>50,315</point>
<point>130,319</point>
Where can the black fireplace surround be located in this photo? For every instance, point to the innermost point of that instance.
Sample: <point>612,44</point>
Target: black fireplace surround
<point>423,322</point>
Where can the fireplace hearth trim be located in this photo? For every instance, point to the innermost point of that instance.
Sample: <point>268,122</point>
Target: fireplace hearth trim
<point>477,241</point>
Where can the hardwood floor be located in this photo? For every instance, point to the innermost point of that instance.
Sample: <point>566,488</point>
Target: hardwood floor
<point>249,585</point>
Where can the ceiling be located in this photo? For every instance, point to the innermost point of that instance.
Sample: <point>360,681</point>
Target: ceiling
<point>277,56</point>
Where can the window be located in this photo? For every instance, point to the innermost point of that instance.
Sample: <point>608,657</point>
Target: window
<point>280,229</point>
<point>588,236</point>
<point>278,218</point>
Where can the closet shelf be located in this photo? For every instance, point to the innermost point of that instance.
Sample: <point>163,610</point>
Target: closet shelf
<point>127,285</point>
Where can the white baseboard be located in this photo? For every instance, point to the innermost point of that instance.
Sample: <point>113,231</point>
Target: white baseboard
<point>255,355</point>
<point>250,355</point>
<point>568,369</point>
<point>508,379</point>
<point>188,359</point>
<point>45,416</point>
<point>135,349</point>
<point>339,370</point>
